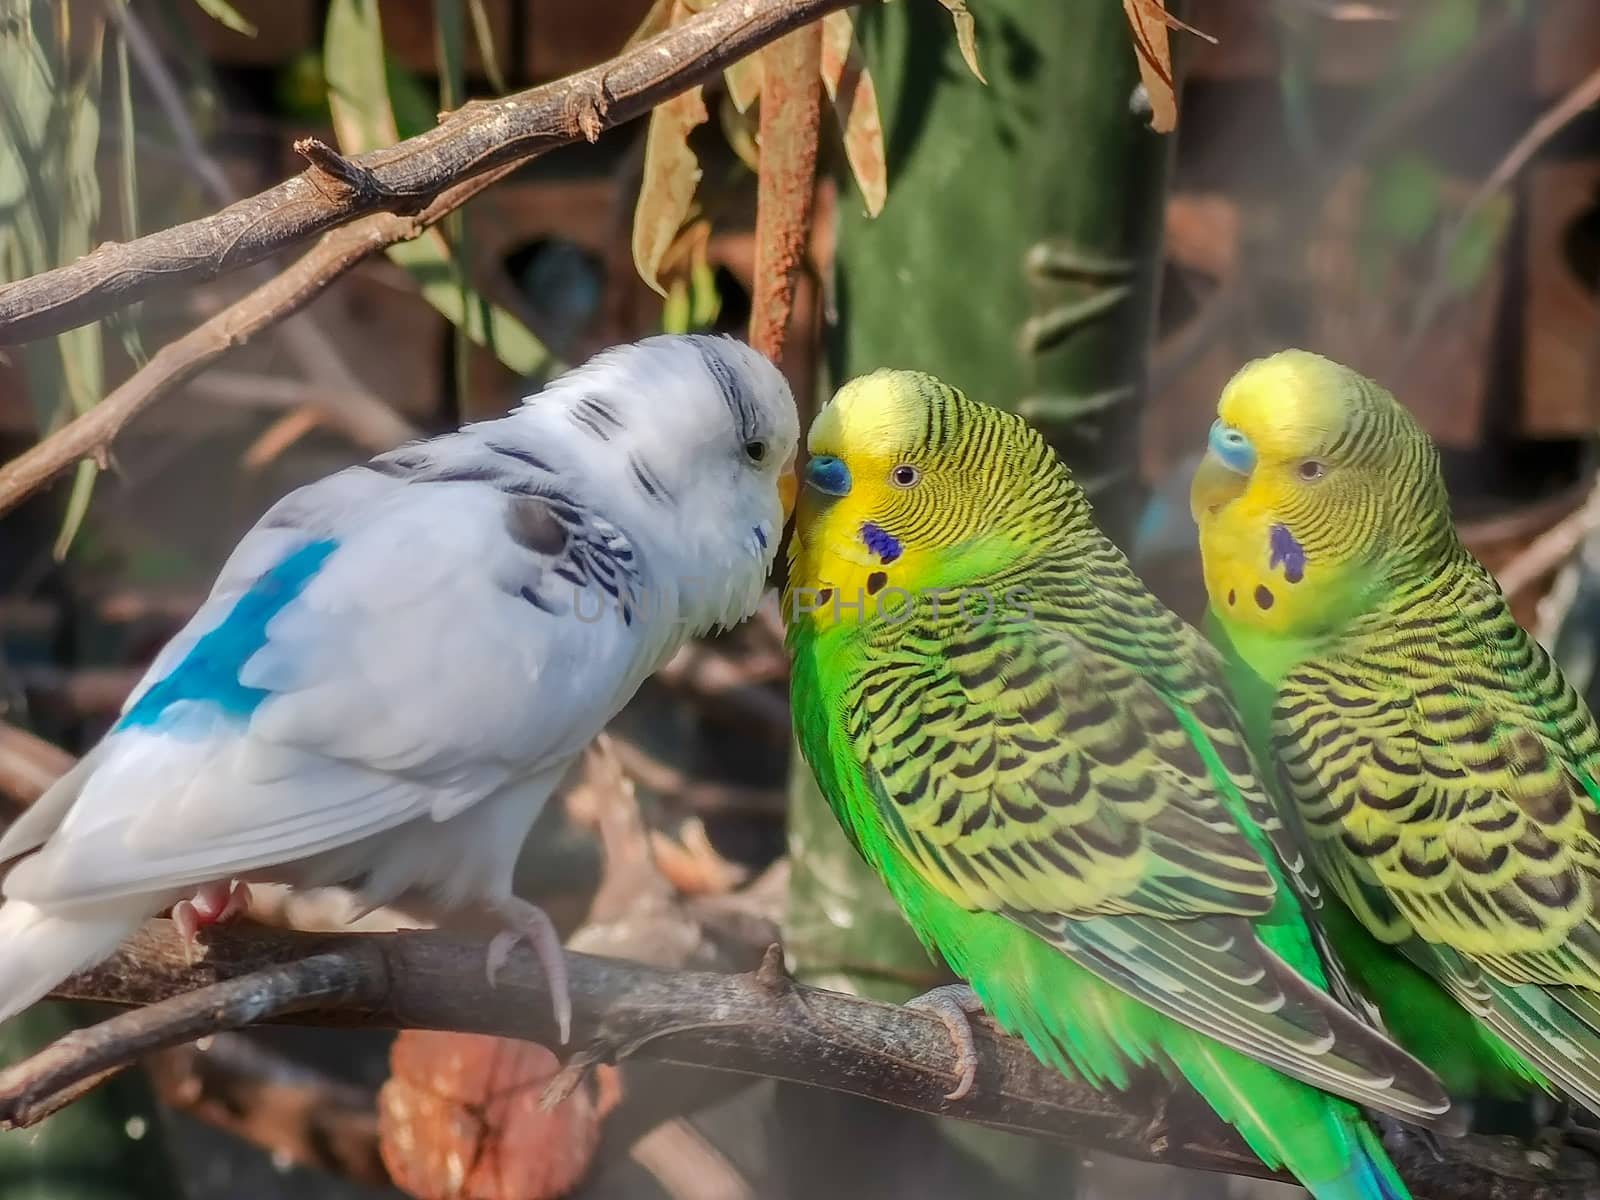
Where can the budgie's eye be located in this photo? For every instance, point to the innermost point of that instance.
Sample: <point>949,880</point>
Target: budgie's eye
<point>1311,470</point>
<point>905,475</point>
<point>756,451</point>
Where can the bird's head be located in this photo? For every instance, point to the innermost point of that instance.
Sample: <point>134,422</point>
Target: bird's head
<point>910,485</point>
<point>1331,468</point>
<point>692,438</point>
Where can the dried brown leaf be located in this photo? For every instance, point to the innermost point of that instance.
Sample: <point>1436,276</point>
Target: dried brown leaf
<point>671,174</point>
<point>1148,19</point>
<point>691,863</point>
<point>744,82</point>
<point>966,34</point>
<point>855,103</point>
<point>740,129</point>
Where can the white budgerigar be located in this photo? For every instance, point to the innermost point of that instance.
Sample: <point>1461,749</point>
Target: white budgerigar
<point>399,662</point>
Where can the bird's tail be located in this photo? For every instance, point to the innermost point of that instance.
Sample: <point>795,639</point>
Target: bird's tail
<point>40,948</point>
<point>1323,1141</point>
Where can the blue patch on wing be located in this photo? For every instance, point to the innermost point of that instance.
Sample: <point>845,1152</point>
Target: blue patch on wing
<point>210,671</point>
<point>881,542</point>
<point>1288,552</point>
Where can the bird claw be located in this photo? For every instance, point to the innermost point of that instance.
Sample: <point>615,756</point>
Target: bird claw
<point>953,1004</point>
<point>213,904</point>
<point>529,923</point>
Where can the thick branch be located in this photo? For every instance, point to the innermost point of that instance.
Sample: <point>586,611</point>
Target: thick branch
<point>760,1023</point>
<point>404,178</point>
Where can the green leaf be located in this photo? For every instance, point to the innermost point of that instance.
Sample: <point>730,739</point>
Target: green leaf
<point>1404,200</point>
<point>50,189</point>
<point>484,36</point>
<point>125,321</point>
<point>220,10</point>
<point>363,118</point>
<point>1443,32</point>
<point>414,108</point>
<point>1477,243</point>
<point>450,31</point>
<point>83,478</point>
<point>488,325</point>
<point>358,85</point>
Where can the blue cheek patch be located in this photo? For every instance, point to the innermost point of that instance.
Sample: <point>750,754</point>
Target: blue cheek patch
<point>881,542</point>
<point>1288,553</point>
<point>210,671</point>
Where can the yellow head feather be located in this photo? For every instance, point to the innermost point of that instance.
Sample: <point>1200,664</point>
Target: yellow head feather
<point>1316,484</point>
<point>921,488</point>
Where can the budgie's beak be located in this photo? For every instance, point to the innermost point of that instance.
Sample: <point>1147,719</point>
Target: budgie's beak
<point>788,485</point>
<point>1223,473</point>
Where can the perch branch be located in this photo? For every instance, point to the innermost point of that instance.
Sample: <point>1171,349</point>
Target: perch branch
<point>404,179</point>
<point>759,1023</point>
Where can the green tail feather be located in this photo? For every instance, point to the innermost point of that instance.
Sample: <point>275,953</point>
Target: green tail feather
<point>1084,1027</point>
<point>1469,1059</point>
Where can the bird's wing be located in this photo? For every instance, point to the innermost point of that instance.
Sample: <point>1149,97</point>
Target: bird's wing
<point>1445,776</point>
<point>399,656</point>
<point>1032,773</point>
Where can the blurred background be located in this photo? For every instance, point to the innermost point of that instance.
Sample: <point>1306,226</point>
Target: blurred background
<point>1409,186</point>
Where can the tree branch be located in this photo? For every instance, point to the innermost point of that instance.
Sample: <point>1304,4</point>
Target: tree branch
<point>404,179</point>
<point>760,1023</point>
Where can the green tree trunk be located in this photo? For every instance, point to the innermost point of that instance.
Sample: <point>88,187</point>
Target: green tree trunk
<point>1016,259</point>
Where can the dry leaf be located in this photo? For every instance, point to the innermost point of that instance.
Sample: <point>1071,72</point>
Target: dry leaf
<point>460,1118</point>
<point>671,174</point>
<point>1148,19</point>
<point>692,864</point>
<point>855,104</point>
<point>744,81</point>
<point>740,129</point>
<point>966,34</point>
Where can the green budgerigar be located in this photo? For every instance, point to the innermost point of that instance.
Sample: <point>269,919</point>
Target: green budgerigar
<point>1440,772</point>
<point>1040,762</point>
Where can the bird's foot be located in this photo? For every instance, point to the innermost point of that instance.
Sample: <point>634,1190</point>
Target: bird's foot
<point>214,903</point>
<point>528,923</point>
<point>953,1004</point>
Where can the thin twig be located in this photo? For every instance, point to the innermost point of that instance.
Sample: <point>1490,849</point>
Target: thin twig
<point>1551,548</point>
<point>92,433</point>
<point>761,1023</point>
<point>1303,209</point>
<point>691,794</point>
<point>477,146</point>
<point>406,178</point>
<point>733,687</point>
<point>368,420</point>
<point>1551,122</point>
